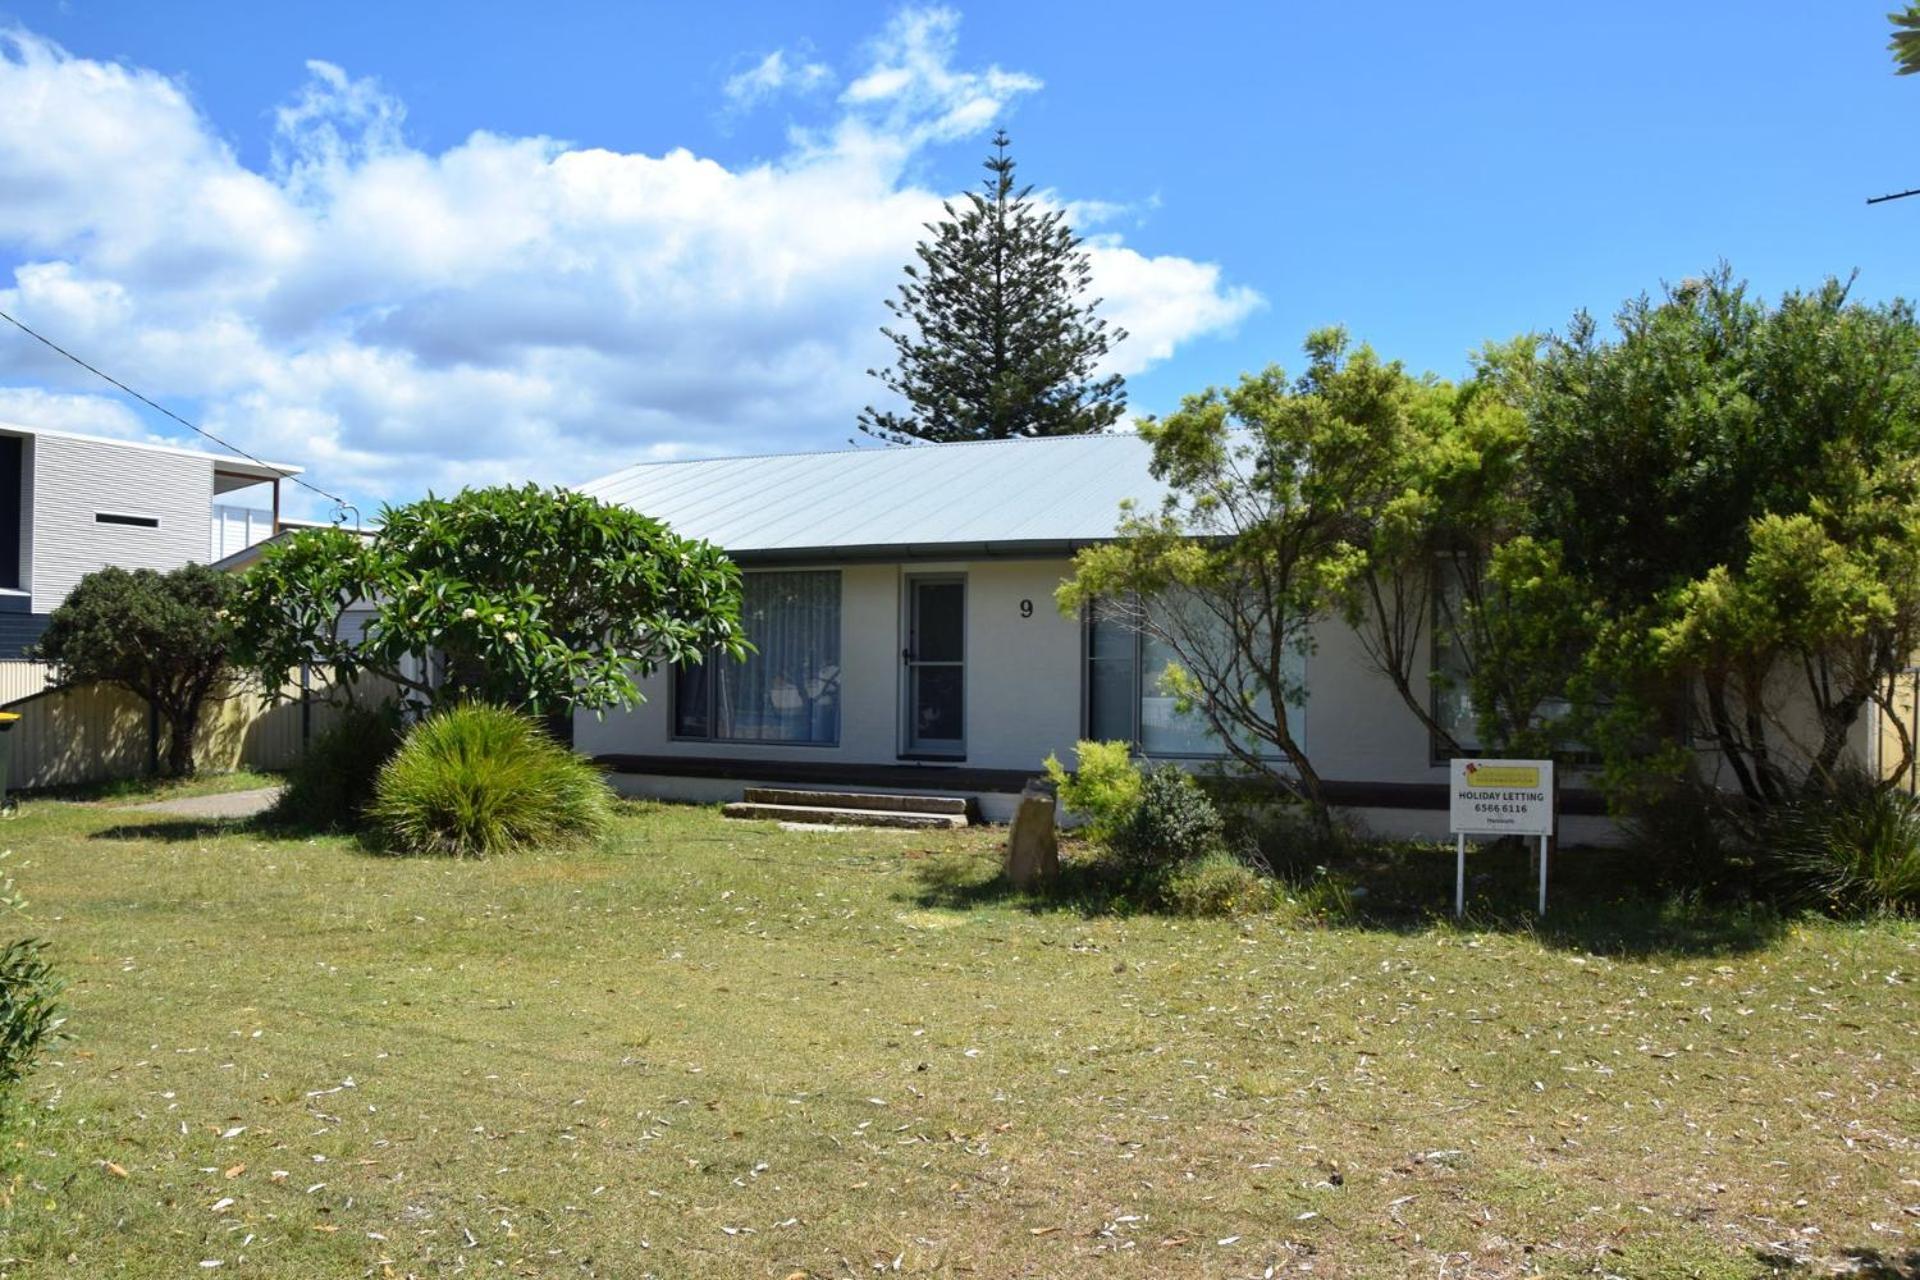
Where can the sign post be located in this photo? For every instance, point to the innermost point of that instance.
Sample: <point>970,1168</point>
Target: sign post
<point>1499,798</point>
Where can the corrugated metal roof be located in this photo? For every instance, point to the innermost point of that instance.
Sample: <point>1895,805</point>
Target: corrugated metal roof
<point>995,497</point>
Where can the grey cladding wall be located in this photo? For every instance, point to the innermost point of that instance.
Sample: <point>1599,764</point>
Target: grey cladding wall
<point>75,480</point>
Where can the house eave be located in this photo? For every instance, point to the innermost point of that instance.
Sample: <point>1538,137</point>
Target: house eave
<point>1035,549</point>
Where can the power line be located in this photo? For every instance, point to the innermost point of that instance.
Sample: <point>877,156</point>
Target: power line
<point>1898,195</point>
<point>334,498</point>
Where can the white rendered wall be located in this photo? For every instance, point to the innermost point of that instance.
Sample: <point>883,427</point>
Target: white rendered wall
<point>1025,679</point>
<point>1022,676</point>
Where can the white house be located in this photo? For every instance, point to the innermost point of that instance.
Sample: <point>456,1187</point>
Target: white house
<point>902,604</point>
<point>70,504</point>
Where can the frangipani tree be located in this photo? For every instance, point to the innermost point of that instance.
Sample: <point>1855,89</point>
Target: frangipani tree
<point>543,599</point>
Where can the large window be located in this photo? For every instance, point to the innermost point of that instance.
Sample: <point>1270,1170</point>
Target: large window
<point>1126,701</point>
<point>788,690</point>
<point>1451,692</point>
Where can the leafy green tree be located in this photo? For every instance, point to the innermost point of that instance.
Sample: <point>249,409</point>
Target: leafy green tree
<point>1905,44</point>
<point>1735,488</point>
<point>163,637</point>
<point>541,599</point>
<point>995,338</point>
<point>1437,573</point>
<point>1274,488</point>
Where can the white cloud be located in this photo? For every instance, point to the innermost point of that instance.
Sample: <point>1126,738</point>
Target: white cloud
<point>774,74</point>
<point>506,308</point>
<point>63,411</point>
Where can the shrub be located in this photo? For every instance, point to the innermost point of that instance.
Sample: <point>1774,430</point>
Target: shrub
<point>332,785</point>
<point>1104,787</point>
<point>1687,838</point>
<point>1283,839</point>
<point>1173,822</point>
<point>1325,895</point>
<point>29,1013</point>
<point>1218,884</point>
<point>479,780</point>
<point>1854,850</point>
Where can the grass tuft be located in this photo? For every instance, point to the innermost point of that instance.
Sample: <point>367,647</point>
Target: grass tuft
<point>475,781</point>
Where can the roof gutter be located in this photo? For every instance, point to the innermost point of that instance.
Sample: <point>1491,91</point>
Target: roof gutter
<point>1031,549</point>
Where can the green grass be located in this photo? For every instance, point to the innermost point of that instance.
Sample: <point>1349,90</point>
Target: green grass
<point>716,1049</point>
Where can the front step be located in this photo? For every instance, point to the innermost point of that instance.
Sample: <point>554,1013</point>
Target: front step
<point>857,800</point>
<point>841,816</point>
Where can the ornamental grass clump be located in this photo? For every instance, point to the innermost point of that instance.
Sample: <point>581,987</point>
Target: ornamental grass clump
<point>1851,851</point>
<point>479,780</point>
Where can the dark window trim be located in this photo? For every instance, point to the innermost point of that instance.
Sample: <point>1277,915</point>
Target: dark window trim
<point>713,688</point>
<point>126,519</point>
<point>1134,743</point>
<point>1575,756</point>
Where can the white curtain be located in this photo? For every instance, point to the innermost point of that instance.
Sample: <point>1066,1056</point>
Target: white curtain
<point>788,691</point>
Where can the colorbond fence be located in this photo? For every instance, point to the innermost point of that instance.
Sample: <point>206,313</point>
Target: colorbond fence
<point>97,733</point>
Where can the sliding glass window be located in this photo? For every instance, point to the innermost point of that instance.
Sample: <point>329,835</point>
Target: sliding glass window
<point>1451,692</point>
<point>1126,701</point>
<point>788,690</point>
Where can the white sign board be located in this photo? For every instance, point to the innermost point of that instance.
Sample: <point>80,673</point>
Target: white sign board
<point>1501,798</point>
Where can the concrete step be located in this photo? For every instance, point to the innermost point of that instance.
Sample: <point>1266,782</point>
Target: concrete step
<point>843,817</point>
<point>858,800</point>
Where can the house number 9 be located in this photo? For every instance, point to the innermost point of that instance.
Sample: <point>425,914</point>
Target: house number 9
<point>1026,608</point>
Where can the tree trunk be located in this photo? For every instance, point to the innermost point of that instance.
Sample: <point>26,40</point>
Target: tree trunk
<point>181,731</point>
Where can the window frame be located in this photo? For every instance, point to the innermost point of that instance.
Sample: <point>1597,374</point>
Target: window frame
<point>713,683</point>
<point>1135,704</point>
<point>126,519</point>
<point>1438,756</point>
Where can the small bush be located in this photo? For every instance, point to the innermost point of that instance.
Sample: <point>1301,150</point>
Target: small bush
<point>1104,787</point>
<point>1282,838</point>
<point>1326,896</point>
<point>1854,850</point>
<point>1216,885</point>
<point>332,785</point>
<point>480,780</point>
<point>1687,839</point>
<point>29,1012</point>
<point>1173,823</point>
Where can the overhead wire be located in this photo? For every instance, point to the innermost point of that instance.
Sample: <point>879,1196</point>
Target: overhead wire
<point>341,504</point>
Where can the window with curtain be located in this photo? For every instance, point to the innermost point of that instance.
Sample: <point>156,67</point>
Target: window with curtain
<point>1126,703</point>
<point>788,690</point>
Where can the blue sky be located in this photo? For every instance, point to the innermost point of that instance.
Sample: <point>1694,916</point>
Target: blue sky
<point>1430,176</point>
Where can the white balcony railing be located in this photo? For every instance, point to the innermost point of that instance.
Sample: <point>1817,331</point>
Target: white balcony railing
<point>237,528</point>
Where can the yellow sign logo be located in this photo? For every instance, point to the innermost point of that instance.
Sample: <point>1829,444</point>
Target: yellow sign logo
<point>1503,776</point>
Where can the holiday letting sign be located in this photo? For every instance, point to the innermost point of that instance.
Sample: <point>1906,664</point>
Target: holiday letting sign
<point>1501,798</point>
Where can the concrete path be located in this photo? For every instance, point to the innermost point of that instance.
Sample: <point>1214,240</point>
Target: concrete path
<point>226,804</point>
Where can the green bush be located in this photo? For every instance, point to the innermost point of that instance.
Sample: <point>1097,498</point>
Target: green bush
<point>1103,789</point>
<point>332,785</point>
<point>1854,850</point>
<point>1218,884</point>
<point>29,1012</point>
<point>1173,823</point>
<point>1282,838</point>
<point>479,780</point>
<point>1689,839</point>
<point>1325,895</point>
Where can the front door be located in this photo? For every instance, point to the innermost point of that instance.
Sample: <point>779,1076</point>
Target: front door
<point>936,666</point>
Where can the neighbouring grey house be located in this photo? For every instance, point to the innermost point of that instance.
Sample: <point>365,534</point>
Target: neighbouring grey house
<point>902,604</point>
<point>71,504</point>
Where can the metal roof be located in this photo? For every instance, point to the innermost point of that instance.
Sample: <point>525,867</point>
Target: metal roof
<point>223,462</point>
<point>1000,497</point>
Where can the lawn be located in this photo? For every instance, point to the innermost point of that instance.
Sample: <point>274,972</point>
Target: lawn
<point>718,1049</point>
